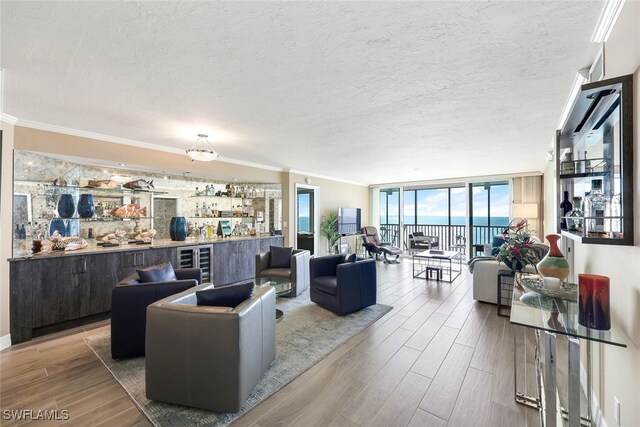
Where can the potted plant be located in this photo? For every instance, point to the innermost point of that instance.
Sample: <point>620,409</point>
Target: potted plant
<point>329,227</point>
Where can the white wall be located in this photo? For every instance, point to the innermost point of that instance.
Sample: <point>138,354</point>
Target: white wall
<point>333,195</point>
<point>6,213</point>
<point>617,370</point>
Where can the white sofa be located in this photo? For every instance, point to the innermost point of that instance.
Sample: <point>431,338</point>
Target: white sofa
<point>485,275</point>
<point>485,279</point>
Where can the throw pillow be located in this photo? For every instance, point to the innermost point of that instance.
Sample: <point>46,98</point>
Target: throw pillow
<point>157,273</point>
<point>349,258</point>
<point>280,257</point>
<point>225,296</point>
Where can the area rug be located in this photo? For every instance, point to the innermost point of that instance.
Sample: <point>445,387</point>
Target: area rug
<point>305,335</point>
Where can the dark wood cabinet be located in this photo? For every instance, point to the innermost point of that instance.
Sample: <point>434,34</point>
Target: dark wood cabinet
<point>57,292</point>
<point>235,261</point>
<point>60,290</point>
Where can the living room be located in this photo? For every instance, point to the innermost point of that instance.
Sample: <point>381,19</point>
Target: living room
<point>331,98</point>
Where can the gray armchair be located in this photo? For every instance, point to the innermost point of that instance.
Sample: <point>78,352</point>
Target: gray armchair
<point>298,272</point>
<point>209,357</point>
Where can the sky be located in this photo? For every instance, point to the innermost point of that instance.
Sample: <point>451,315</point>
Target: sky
<point>434,202</point>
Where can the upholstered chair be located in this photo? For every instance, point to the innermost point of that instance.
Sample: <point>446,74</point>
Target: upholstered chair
<point>209,357</point>
<point>285,263</point>
<point>342,284</point>
<point>129,300</point>
<point>375,247</point>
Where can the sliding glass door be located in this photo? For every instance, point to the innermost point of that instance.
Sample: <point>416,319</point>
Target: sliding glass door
<point>436,212</point>
<point>390,216</point>
<point>488,212</point>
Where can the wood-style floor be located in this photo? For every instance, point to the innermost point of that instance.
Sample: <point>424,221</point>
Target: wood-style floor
<point>438,358</point>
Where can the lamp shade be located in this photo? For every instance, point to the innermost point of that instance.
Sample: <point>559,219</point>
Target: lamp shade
<point>525,210</point>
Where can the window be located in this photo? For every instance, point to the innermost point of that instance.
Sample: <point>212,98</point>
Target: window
<point>489,211</point>
<point>390,206</point>
<point>304,213</point>
<point>435,206</point>
<point>390,215</point>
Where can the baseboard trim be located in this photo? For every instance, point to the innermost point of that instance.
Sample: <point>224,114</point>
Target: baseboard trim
<point>5,341</point>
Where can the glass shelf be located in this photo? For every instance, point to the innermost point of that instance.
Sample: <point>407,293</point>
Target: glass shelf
<point>219,217</point>
<point>558,316</point>
<point>56,190</point>
<point>114,219</point>
<point>582,176</point>
<point>225,197</point>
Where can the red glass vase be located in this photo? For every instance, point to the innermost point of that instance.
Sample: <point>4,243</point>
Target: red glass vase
<point>593,301</point>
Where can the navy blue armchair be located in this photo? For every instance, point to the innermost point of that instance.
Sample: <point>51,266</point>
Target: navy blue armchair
<point>129,301</point>
<point>342,287</point>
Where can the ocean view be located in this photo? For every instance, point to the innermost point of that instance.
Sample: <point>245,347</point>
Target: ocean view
<point>303,222</point>
<point>443,220</point>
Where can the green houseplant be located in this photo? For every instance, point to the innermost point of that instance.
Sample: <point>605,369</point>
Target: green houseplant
<point>329,227</point>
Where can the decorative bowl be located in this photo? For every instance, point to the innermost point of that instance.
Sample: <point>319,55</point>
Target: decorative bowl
<point>567,291</point>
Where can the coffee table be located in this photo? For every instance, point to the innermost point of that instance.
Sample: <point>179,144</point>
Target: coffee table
<point>281,285</point>
<point>446,265</point>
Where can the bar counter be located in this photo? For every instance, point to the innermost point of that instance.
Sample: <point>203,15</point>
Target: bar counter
<point>64,289</point>
<point>22,251</point>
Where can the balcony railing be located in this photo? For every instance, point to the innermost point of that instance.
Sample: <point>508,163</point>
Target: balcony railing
<point>447,234</point>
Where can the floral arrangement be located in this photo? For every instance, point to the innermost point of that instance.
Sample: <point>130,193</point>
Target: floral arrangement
<point>517,252</point>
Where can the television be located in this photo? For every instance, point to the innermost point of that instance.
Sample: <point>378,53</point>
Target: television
<point>348,221</point>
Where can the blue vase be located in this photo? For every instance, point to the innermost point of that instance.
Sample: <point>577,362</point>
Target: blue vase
<point>513,266</point>
<point>66,206</point>
<point>178,228</point>
<point>86,208</point>
<point>57,225</point>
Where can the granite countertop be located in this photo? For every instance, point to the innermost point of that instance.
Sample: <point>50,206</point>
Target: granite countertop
<point>24,253</point>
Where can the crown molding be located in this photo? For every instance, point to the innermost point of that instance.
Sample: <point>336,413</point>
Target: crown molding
<point>97,136</point>
<point>458,180</point>
<point>124,141</point>
<point>250,164</point>
<point>8,119</point>
<point>315,175</point>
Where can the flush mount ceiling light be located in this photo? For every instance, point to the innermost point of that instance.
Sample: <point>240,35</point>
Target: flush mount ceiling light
<point>202,150</point>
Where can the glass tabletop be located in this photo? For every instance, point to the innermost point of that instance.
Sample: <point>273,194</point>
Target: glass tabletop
<point>281,285</point>
<point>440,254</point>
<point>559,315</point>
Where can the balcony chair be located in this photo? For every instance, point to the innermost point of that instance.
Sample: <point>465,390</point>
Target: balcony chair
<point>341,284</point>
<point>419,242</point>
<point>129,300</point>
<point>460,245</point>
<point>375,247</point>
<point>285,263</point>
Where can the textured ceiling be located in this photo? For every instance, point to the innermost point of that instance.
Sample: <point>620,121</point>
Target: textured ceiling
<point>365,91</point>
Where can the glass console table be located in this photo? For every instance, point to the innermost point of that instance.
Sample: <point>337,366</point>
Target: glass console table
<point>550,314</point>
